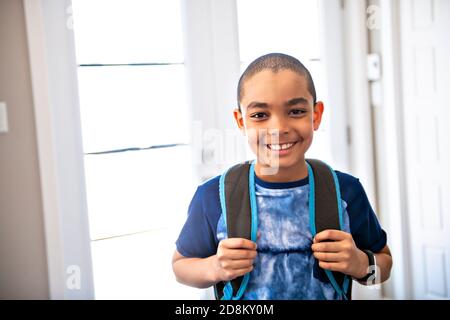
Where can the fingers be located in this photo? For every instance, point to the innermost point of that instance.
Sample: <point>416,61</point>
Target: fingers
<point>237,254</point>
<point>241,272</point>
<point>233,274</point>
<point>336,251</point>
<point>237,264</point>
<point>235,257</point>
<point>336,235</point>
<point>327,247</point>
<point>334,266</point>
<point>328,257</point>
<point>238,243</point>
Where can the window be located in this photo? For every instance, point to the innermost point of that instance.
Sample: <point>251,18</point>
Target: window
<point>136,142</point>
<point>291,27</point>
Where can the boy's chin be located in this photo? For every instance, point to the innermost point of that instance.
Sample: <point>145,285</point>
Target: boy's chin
<point>281,163</point>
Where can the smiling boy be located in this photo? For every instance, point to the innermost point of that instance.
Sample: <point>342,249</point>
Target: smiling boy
<point>278,112</point>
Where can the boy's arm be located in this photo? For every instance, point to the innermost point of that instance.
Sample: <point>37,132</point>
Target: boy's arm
<point>194,272</point>
<point>233,259</point>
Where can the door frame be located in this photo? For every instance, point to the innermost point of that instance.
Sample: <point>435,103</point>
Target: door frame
<point>390,162</point>
<point>60,152</point>
<point>384,167</point>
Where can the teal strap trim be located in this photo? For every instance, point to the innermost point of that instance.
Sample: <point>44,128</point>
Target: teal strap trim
<point>341,224</point>
<point>227,291</point>
<point>222,196</point>
<point>253,205</point>
<point>338,196</point>
<point>341,293</point>
<point>312,201</point>
<point>254,226</point>
<point>228,288</point>
<point>312,223</point>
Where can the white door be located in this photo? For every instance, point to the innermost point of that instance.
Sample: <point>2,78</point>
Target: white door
<point>425,34</point>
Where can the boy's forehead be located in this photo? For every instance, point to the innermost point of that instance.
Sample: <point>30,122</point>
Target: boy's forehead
<point>267,86</point>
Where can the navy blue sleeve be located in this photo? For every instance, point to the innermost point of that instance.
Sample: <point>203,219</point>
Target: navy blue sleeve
<point>198,236</point>
<point>364,225</point>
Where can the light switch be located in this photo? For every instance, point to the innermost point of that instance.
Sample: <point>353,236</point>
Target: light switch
<point>3,118</point>
<point>374,67</point>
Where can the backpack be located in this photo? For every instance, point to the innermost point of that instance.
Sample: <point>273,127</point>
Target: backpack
<point>238,205</point>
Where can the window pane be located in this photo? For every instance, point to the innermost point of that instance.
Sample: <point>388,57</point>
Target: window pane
<point>132,31</point>
<point>136,191</point>
<point>138,267</point>
<point>288,26</point>
<point>132,106</point>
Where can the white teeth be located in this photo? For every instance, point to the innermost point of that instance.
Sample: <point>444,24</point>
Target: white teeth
<point>278,147</point>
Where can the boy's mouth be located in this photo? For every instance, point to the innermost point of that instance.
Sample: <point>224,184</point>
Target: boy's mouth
<point>282,146</point>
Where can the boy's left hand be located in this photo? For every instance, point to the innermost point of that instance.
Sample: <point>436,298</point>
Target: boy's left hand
<point>340,254</point>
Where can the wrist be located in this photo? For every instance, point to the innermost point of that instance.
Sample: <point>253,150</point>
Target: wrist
<point>213,274</point>
<point>364,265</point>
<point>371,271</point>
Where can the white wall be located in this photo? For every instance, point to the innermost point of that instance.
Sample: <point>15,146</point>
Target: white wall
<point>23,263</point>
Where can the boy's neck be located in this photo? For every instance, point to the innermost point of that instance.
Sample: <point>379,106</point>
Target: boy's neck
<point>289,174</point>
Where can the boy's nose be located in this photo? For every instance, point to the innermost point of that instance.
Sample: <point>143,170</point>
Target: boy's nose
<point>278,127</point>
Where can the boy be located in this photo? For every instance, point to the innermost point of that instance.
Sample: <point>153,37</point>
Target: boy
<point>276,97</point>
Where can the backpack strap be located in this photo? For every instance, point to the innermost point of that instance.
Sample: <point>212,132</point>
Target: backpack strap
<point>325,212</point>
<point>238,204</point>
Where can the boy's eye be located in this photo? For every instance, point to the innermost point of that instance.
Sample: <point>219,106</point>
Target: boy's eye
<point>297,112</point>
<point>258,115</point>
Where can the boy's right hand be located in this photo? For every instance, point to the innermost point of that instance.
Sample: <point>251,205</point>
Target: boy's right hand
<point>234,258</point>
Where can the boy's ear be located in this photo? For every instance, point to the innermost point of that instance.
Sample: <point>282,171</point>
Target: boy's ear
<point>317,114</point>
<point>239,119</point>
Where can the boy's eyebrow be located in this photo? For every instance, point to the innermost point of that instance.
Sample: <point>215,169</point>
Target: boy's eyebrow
<point>256,104</point>
<point>299,100</point>
<point>289,103</point>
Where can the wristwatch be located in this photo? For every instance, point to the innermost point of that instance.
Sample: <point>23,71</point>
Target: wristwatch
<point>371,270</point>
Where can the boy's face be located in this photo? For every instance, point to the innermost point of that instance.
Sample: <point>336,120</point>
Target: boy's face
<point>279,118</point>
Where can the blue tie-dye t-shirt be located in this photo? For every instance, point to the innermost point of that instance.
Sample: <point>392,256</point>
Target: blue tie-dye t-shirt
<point>285,266</point>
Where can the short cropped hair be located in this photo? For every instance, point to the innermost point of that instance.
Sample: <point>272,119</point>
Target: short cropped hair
<point>275,62</point>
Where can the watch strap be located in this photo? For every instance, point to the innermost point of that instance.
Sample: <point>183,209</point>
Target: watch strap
<point>372,266</point>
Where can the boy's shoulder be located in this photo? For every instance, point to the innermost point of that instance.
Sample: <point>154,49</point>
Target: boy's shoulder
<point>209,186</point>
<point>349,185</point>
<point>346,178</point>
<point>207,196</point>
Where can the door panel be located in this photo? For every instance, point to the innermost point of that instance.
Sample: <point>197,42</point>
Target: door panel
<point>425,28</point>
